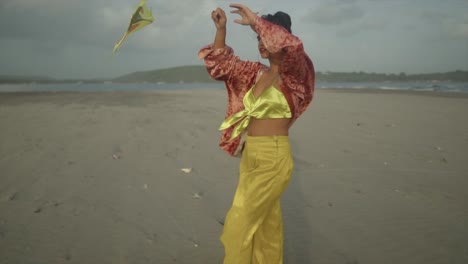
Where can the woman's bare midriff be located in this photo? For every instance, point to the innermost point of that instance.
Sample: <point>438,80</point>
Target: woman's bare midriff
<point>268,127</point>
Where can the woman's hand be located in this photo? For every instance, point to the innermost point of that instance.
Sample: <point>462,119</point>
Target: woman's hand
<point>219,18</point>
<point>248,17</point>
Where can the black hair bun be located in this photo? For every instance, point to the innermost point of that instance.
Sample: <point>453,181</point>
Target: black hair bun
<point>285,18</point>
<point>279,18</point>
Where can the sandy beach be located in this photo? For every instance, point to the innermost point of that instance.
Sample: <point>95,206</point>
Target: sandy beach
<point>380,177</point>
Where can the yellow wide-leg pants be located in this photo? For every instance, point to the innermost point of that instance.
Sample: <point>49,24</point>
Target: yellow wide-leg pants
<point>253,229</point>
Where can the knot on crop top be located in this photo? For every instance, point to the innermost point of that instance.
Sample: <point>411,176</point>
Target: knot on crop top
<point>271,103</point>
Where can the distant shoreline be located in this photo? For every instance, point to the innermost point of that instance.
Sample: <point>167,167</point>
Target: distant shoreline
<point>446,94</point>
<point>198,74</point>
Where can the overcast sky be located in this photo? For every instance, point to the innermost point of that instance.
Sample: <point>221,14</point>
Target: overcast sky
<point>75,38</point>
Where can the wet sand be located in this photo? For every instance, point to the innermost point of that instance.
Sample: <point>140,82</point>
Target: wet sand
<point>380,177</point>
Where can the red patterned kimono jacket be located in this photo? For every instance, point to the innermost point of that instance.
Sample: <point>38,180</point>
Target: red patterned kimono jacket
<point>297,75</point>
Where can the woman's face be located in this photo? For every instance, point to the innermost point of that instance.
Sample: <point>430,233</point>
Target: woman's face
<point>262,50</point>
<point>264,53</point>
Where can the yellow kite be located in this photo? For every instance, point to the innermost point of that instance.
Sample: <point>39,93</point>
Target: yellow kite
<point>140,18</point>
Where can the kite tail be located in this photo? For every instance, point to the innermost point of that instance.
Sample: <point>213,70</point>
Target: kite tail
<point>117,46</point>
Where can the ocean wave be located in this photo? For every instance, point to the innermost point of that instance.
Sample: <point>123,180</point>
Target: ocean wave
<point>84,87</point>
<point>404,86</point>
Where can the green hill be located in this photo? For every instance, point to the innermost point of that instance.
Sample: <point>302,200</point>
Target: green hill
<point>24,79</point>
<point>187,74</point>
<point>198,74</point>
<point>453,76</point>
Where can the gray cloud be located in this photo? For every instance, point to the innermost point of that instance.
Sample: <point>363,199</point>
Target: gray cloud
<point>457,26</point>
<point>441,25</point>
<point>74,38</point>
<point>366,25</point>
<point>346,1</point>
<point>88,21</point>
<point>82,33</point>
<point>334,13</point>
<point>432,16</point>
<point>82,21</point>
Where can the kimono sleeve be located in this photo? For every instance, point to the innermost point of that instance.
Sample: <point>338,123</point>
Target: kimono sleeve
<point>222,64</point>
<point>296,69</point>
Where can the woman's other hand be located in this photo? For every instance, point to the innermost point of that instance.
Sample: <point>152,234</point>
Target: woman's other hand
<point>247,16</point>
<point>219,18</point>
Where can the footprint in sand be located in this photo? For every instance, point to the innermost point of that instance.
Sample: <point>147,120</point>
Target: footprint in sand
<point>3,232</point>
<point>66,257</point>
<point>220,221</point>
<point>11,195</point>
<point>41,207</point>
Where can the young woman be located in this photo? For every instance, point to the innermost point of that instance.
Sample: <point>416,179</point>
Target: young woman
<point>264,101</point>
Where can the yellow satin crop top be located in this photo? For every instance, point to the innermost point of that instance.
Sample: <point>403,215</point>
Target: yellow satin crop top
<point>271,103</point>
